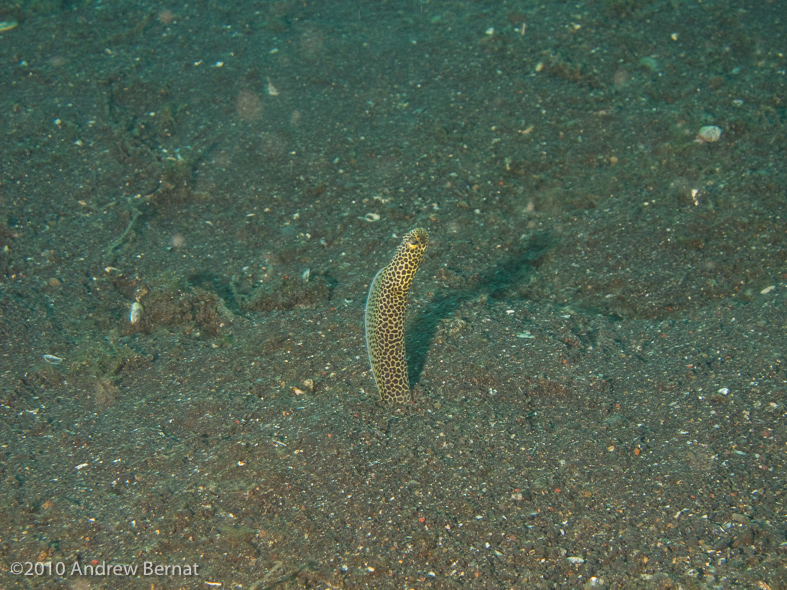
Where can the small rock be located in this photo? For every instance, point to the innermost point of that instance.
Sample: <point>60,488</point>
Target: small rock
<point>136,312</point>
<point>740,518</point>
<point>708,134</point>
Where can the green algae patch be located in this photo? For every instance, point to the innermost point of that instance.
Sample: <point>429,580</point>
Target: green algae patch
<point>288,293</point>
<point>101,360</point>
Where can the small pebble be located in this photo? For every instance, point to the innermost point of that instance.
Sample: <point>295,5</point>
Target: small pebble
<point>708,134</point>
<point>136,312</point>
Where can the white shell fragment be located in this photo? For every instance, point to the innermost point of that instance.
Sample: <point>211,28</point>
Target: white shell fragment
<point>709,134</point>
<point>136,312</point>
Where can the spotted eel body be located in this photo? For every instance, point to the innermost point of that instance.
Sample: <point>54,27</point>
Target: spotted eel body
<point>384,318</point>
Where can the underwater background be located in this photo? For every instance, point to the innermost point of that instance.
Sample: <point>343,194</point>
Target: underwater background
<point>195,197</point>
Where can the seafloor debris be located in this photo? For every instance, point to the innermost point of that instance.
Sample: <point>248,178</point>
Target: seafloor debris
<point>708,134</point>
<point>136,312</point>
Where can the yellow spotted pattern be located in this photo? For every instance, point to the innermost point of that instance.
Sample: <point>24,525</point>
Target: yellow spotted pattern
<point>384,319</point>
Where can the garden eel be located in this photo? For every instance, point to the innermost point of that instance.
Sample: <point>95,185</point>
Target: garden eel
<point>384,318</point>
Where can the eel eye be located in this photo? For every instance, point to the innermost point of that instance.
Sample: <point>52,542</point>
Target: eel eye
<point>412,243</point>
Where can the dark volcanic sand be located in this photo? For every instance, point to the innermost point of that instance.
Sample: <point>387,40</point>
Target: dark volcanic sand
<point>597,334</point>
